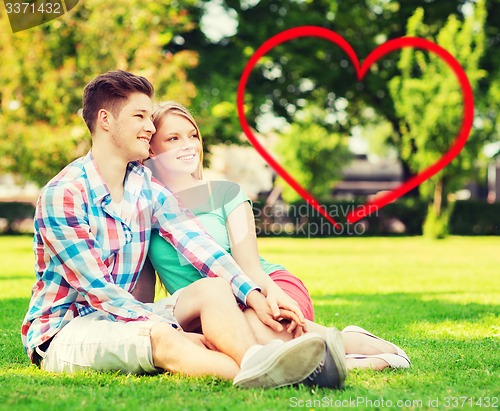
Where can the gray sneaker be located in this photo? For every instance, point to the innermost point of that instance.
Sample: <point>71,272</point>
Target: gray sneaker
<point>331,372</point>
<point>282,363</point>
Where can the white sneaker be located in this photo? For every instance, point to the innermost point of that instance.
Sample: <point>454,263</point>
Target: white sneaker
<point>282,363</point>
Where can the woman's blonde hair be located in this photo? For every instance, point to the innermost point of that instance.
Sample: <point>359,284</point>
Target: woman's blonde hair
<point>171,107</point>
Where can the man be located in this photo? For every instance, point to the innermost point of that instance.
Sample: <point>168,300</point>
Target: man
<point>92,228</point>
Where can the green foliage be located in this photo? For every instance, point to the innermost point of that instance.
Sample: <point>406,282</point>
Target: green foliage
<point>38,151</point>
<point>428,102</point>
<point>312,155</point>
<point>44,69</point>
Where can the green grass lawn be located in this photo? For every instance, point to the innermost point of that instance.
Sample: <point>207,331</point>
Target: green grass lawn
<point>439,300</point>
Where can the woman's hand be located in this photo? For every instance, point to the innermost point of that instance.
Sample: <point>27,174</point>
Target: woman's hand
<point>293,326</point>
<point>259,303</point>
<point>279,302</point>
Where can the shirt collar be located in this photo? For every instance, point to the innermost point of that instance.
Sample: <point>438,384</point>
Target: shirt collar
<point>97,187</point>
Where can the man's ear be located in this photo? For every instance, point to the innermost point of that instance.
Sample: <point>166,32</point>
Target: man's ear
<point>104,119</point>
<point>151,153</point>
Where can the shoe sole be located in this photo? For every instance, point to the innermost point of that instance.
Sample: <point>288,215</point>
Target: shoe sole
<point>335,345</point>
<point>286,367</point>
<point>394,360</point>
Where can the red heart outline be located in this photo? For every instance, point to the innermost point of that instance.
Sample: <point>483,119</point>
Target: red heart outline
<point>374,56</point>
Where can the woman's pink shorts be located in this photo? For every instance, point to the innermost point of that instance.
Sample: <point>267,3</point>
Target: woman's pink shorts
<point>295,289</point>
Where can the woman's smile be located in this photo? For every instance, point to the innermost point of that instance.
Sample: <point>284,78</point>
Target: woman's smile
<point>186,157</point>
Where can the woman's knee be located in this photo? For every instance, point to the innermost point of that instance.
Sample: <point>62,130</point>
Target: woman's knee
<point>212,288</point>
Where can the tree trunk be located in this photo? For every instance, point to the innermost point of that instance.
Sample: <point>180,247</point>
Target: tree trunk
<point>438,198</point>
<point>436,224</point>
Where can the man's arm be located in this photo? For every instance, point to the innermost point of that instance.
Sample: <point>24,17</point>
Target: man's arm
<point>64,228</point>
<point>181,228</point>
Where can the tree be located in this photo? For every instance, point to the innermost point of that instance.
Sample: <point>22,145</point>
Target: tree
<point>44,69</point>
<point>428,102</point>
<point>312,155</point>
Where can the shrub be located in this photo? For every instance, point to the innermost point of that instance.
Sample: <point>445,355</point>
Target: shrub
<point>17,217</point>
<point>405,216</point>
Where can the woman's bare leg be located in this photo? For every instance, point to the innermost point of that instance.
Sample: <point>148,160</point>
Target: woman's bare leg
<point>210,302</point>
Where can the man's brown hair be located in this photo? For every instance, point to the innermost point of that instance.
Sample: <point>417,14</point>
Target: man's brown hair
<point>110,91</point>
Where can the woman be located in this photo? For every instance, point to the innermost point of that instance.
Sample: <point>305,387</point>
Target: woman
<point>226,214</point>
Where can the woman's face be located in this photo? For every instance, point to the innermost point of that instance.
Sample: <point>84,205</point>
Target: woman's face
<point>176,144</point>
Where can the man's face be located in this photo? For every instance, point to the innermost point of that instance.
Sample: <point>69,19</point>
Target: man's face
<point>132,128</point>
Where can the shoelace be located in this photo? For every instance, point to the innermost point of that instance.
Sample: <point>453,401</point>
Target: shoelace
<point>318,370</point>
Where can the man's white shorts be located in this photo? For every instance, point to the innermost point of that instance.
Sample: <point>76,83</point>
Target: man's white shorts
<point>93,342</point>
